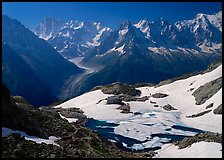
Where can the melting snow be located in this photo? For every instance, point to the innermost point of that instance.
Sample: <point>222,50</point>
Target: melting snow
<point>51,140</point>
<point>139,126</point>
<point>70,120</point>
<point>196,150</point>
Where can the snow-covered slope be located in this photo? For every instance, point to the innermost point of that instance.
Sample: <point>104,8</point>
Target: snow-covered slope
<point>146,122</point>
<point>197,150</point>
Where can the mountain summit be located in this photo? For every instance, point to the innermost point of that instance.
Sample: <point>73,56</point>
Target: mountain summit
<point>72,38</point>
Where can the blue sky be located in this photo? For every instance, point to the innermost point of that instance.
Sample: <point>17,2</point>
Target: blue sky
<point>110,13</point>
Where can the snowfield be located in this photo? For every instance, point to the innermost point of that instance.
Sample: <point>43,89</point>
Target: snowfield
<point>51,140</point>
<point>197,150</point>
<point>156,120</point>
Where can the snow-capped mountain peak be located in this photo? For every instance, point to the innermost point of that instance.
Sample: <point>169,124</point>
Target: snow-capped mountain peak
<point>48,27</point>
<point>216,20</point>
<point>202,33</point>
<point>73,38</point>
<point>125,24</point>
<point>143,25</point>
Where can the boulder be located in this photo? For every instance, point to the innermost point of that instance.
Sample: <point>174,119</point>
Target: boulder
<point>128,98</point>
<point>125,108</point>
<point>152,102</point>
<point>207,137</point>
<point>119,88</point>
<point>114,100</point>
<point>209,106</point>
<point>159,95</point>
<point>199,114</point>
<point>218,110</point>
<point>168,107</point>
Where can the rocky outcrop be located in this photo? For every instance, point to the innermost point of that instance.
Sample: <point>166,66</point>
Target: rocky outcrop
<point>218,110</point>
<point>199,114</point>
<point>203,93</point>
<point>119,88</point>
<point>15,114</point>
<point>152,102</point>
<point>168,107</point>
<point>207,137</point>
<point>114,100</point>
<point>128,98</point>
<point>159,95</point>
<point>209,106</point>
<point>15,146</point>
<point>125,108</point>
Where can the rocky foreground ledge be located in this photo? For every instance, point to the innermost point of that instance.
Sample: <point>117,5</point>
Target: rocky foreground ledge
<point>75,141</point>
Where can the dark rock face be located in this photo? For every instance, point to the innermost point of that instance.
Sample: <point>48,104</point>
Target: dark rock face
<point>114,100</point>
<point>199,114</point>
<point>119,88</point>
<point>168,107</point>
<point>218,110</point>
<point>15,117</point>
<point>209,106</point>
<point>207,137</point>
<point>159,95</point>
<point>203,93</point>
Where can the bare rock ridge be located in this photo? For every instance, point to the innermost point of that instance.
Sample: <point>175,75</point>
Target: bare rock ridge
<point>206,91</point>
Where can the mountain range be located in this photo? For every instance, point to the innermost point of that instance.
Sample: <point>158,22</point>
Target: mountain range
<point>147,51</point>
<point>72,38</point>
<point>202,33</point>
<point>144,52</point>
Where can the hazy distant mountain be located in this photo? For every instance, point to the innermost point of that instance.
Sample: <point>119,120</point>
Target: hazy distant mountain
<point>47,64</point>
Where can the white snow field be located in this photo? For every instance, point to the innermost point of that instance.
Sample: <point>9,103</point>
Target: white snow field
<point>196,150</point>
<point>51,140</point>
<point>156,120</point>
